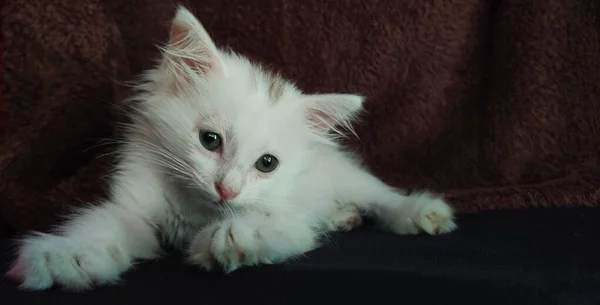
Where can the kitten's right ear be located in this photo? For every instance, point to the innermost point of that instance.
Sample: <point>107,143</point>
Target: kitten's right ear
<point>191,45</point>
<point>327,111</point>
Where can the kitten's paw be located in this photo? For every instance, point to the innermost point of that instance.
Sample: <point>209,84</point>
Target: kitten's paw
<point>435,216</point>
<point>45,260</point>
<point>230,244</point>
<point>199,252</point>
<point>424,212</point>
<point>346,218</point>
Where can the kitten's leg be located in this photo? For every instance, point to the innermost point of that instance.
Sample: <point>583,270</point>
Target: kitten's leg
<point>396,212</point>
<point>252,239</point>
<point>94,248</point>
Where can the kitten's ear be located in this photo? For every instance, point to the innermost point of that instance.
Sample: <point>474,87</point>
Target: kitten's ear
<point>191,45</point>
<point>328,111</point>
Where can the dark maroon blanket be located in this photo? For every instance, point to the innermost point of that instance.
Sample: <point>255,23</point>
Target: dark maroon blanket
<point>494,103</point>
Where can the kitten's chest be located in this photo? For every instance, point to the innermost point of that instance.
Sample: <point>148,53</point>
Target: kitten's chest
<point>177,230</point>
<point>183,218</point>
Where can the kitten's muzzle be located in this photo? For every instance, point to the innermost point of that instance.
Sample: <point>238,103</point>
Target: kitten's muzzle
<point>225,192</point>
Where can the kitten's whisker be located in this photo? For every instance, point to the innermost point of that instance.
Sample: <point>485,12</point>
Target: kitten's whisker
<point>167,156</point>
<point>170,168</point>
<point>232,212</point>
<point>164,152</point>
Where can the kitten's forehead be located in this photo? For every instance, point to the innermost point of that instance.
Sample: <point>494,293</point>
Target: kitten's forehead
<point>266,126</point>
<point>246,86</point>
<point>276,85</point>
<point>269,86</point>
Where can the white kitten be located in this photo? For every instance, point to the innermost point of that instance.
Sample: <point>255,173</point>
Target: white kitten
<point>228,162</point>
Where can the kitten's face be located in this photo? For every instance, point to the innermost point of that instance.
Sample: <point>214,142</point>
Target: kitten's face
<point>236,132</point>
<point>243,145</point>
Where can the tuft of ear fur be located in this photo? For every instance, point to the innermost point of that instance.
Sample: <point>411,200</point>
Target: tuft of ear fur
<point>328,112</point>
<point>190,48</point>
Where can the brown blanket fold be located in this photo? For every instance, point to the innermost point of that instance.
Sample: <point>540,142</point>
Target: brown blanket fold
<point>493,103</point>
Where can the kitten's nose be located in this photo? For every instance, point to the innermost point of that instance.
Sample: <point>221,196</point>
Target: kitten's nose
<point>225,192</point>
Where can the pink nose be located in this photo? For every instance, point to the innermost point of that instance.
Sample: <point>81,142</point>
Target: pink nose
<point>224,192</point>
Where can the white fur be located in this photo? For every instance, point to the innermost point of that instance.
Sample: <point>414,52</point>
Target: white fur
<point>163,188</point>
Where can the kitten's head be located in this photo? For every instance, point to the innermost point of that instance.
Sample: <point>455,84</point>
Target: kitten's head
<point>228,127</point>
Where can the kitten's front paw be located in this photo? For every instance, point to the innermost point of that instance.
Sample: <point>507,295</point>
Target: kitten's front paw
<point>199,252</point>
<point>435,215</point>
<point>424,212</point>
<point>230,244</point>
<point>345,218</point>
<point>45,260</point>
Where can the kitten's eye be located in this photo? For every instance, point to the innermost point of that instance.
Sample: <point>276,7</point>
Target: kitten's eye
<point>210,140</point>
<point>266,163</point>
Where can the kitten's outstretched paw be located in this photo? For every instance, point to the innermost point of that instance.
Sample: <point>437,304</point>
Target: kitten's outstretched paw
<point>346,218</point>
<point>424,212</point>
<point>200,252</point>
<point>230,244</point>
<point>436,216</point>
<point>45,260</point>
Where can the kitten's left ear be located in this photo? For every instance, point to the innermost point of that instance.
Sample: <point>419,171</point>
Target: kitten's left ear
<point>328,111</point>
<point>190,44</point>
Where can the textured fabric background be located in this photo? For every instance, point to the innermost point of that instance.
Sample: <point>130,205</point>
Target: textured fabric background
<point>494,103</point>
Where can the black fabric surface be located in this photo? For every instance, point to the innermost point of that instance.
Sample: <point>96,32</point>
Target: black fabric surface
<point>510,257</point>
